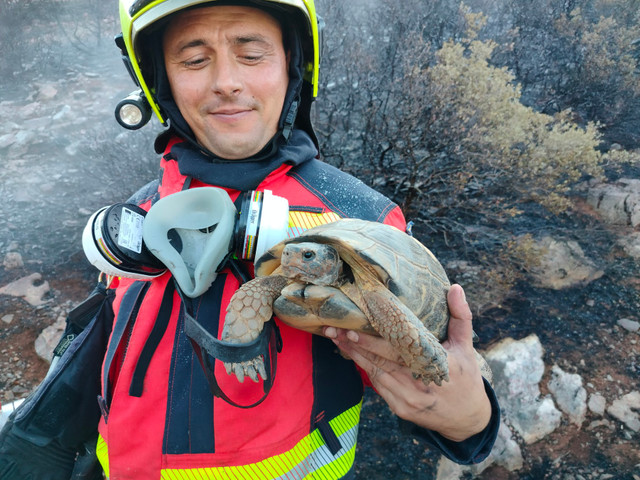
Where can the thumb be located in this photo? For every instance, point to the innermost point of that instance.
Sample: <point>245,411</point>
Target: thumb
<point>460,325</point>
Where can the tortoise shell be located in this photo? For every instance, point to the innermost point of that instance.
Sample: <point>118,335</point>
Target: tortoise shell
<point>377,252</point>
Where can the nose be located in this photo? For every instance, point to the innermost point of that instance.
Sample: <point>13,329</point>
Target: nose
<point>227,79</point>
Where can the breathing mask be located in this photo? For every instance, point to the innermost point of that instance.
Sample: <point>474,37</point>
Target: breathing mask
<point>191,233</point>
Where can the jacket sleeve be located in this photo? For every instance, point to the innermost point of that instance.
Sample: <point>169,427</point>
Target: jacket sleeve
<point>395,218</point>
<point>472,450</point>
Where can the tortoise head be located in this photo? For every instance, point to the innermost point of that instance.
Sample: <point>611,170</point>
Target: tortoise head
<point>309,262</point>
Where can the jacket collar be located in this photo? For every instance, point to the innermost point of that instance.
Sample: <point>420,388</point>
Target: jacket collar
<point>242,174</point>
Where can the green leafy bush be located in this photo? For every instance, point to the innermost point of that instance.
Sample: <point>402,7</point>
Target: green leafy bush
<point>462,117</point>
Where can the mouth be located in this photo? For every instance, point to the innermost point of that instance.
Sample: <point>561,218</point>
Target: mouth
<point>295,273</point>
<point>230,112</point>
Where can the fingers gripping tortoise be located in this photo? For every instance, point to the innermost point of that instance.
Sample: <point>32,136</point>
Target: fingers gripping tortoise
<point>352,274</point>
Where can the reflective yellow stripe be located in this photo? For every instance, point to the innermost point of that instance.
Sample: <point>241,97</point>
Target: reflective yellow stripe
<point>310,458</point>
<point>103,455</point>
<point>301,221</point>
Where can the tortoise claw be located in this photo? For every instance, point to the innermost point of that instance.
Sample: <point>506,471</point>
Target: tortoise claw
<point>250,371</point>
<point>252,368</point>
<point>238,371</point>
<point>432,373</point>
<point>255,369</point>
<point>261,370</point>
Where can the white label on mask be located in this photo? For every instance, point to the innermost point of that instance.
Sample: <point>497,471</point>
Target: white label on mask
<point>130,234</point>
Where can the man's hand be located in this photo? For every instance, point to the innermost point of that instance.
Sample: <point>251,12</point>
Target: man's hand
<point>458,408</point>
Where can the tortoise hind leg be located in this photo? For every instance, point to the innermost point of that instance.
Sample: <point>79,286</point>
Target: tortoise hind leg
<point>419,348</point>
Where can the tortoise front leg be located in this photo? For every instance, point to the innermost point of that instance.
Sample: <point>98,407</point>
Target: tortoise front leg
<point>250,307</point>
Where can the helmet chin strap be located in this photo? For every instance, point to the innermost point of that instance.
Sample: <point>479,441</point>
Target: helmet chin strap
<point>209,349</point>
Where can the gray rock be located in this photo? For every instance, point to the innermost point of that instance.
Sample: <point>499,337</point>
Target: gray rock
<point>29,109</point>
<point>563,264</point>
<point>518,368</point>
<point>630,243</point>
<point>448,470</point>
<point>26,288</point>
<point>25,137</point>
<point>12,260</point>
<point>38,123</point>
<point>48,339</point>
<point>47,91</point>
<point>569,393</point>
<point>505,453</point>
<point>8,408</point>
<point>618,203</point>
<point>7,140</point>
<point>597,404</point>
<point>630,325</point>
<point>623,410</point>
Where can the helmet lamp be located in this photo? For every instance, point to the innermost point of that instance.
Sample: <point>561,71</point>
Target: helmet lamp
<point>134,111</point>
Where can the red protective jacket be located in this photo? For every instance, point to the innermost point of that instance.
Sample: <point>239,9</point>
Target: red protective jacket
<point>160,419</point>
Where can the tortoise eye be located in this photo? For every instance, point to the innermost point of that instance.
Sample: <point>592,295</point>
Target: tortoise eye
<point>309,255</point>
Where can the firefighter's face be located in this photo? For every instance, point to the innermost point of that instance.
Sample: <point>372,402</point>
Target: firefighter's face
<point>228,73</point>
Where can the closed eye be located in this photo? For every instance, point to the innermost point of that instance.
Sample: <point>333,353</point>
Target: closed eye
<point>250,58</point>
<point>193,63</point>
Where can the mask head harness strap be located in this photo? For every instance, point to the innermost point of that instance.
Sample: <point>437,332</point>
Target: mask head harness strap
<point>208,349</point>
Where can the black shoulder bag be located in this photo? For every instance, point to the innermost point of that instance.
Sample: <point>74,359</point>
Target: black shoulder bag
<point>52,435</point>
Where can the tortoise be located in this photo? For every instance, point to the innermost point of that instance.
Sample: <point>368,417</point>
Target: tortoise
<point>352,274</point>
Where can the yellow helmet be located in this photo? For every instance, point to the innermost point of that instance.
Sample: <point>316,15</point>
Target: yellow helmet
<point>137,16</point>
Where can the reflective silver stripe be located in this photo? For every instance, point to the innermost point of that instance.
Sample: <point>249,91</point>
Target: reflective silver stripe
<point>322,464</point>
